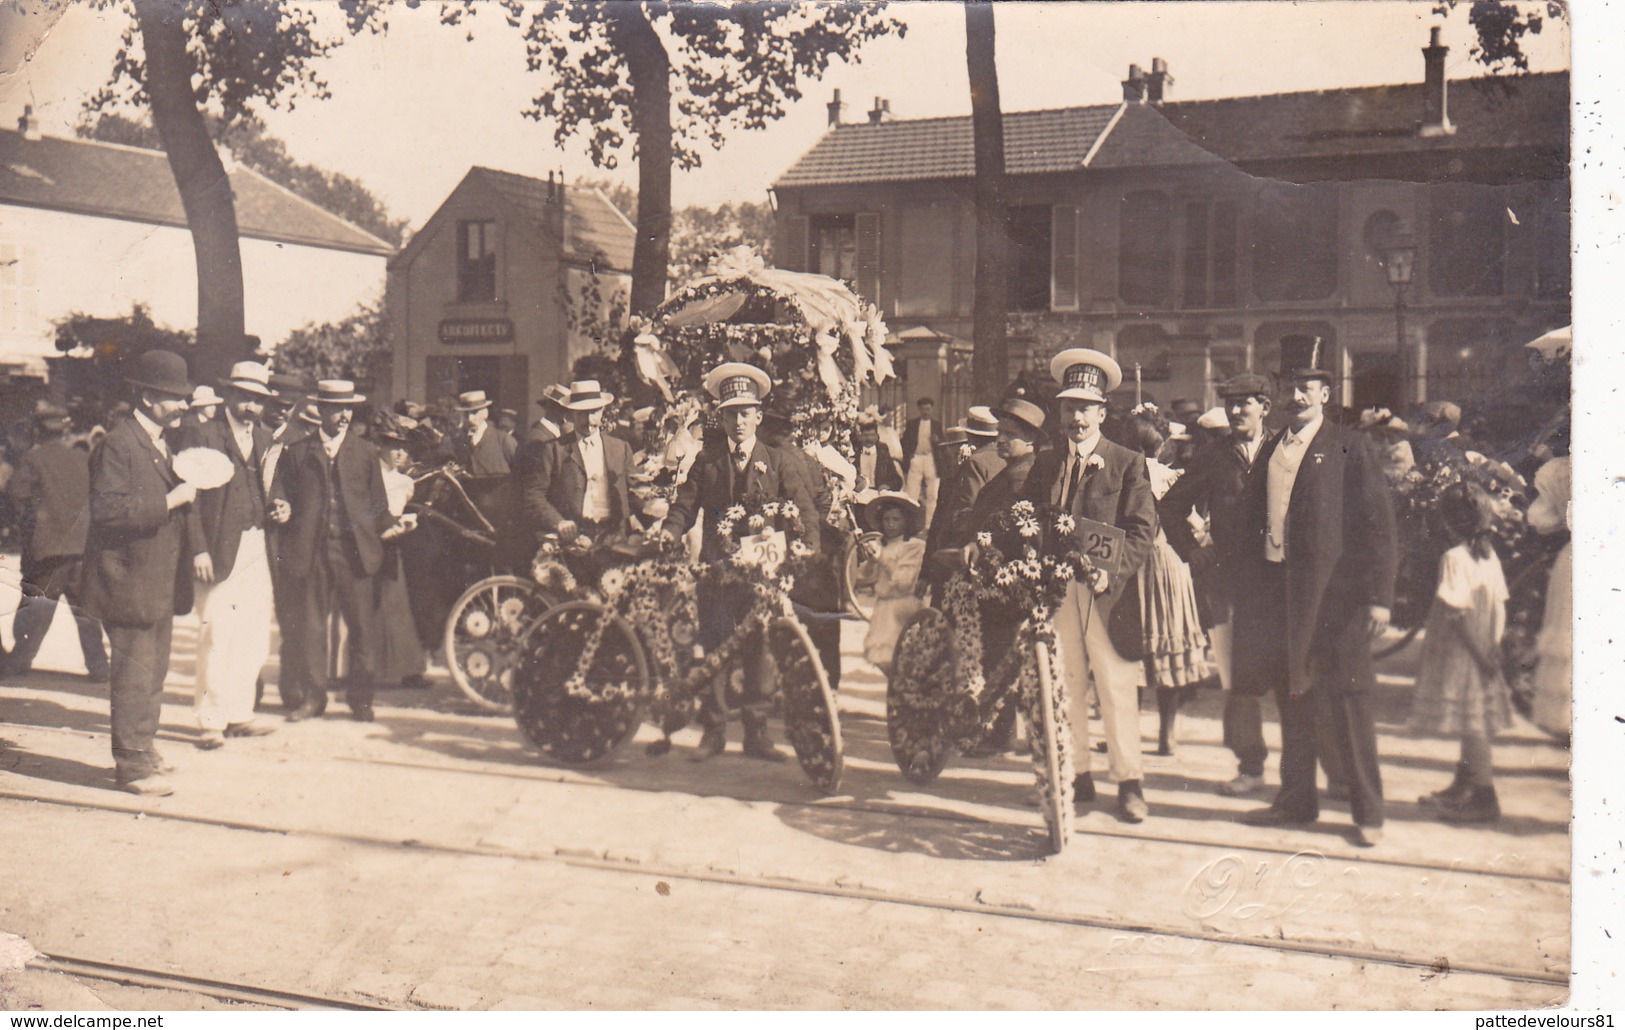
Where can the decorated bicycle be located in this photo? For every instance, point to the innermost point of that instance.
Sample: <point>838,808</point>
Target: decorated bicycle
<point>990,643</point>
<point>717,638</point>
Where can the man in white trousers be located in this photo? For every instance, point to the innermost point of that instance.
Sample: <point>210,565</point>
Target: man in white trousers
<point>234,597</point>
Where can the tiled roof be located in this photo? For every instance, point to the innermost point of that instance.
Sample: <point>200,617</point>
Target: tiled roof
<point>1493,112</point>
<point>114,181</point>
<point>1055,140</point>
<point>1528,112</point>
<point>594,228</point>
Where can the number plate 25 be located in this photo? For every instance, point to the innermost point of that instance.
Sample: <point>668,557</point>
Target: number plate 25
<point>1102,543</point>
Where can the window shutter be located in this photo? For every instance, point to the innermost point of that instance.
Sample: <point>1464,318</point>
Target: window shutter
<point>868,224</point>
<point>1063,287</point>
<point>793,244</point>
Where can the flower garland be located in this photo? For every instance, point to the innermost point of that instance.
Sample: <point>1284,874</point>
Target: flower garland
<point>1028,559</point>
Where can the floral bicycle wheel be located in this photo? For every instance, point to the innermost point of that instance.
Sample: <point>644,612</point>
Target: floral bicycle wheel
<point>579,692</point>
<point>810,719</point>
<point>1051,738</point>
<point>919,719</point>
<point>860,601</point>
<point>485,635</point>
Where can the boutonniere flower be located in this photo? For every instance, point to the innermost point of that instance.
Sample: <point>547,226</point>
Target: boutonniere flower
<point>1095,462</point>
<point>761,468</point>
<point>1319,458</point>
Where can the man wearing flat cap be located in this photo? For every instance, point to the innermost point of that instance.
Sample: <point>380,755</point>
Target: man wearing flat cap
<point>1320,539</point>
<point>481,448</point>
<point>329,498</point>
<point>743,470</point>
<point>138,566</point>
<point>231,564</point>
<point>1092,478</point>
<point>51,490</point>
<point>1216,485</point>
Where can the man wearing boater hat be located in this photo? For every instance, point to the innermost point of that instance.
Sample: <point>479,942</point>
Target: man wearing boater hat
<point>744,470</point>
<point>138,567</point>
<point>329,497</point>
<point>962,486</point>
<point>1322,556</point>
<point>1090,477</point>
<point>234,591</point>
<point>578,483</point>
<point>482,448</point>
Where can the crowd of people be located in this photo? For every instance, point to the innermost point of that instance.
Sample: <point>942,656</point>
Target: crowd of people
<point>1258,552</point>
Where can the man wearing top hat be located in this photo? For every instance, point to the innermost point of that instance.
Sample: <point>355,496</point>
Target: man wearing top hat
<point>743,470</point>
<point>138,567</point>
<point>1090,477</point>
<point>578,483</point>
<point>50,490</point>
<point>234,590</point>
<point>481,448</point>
<point>1216,485</point>
<point>1321,545</point>
<point>329,498</point>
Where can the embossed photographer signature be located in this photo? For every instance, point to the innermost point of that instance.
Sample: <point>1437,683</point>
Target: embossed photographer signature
<point>1254,887</point>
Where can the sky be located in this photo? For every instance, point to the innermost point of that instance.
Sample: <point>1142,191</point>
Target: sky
<point>412,110</point>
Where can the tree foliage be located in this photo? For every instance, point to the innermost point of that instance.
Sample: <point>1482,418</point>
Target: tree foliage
<point>251,143</point>
<point>354,348</point>
<point>96,349</point>
<point>1500,27</point>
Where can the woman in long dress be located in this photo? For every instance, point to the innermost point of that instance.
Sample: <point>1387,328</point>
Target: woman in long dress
<point>1554,649</point>
<point>399,658</point>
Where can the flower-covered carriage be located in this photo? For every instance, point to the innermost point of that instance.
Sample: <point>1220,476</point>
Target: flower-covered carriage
<point>595,664</point>
<point>990,643</point>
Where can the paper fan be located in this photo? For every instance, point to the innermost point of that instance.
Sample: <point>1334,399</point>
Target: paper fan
<point>203,467</point>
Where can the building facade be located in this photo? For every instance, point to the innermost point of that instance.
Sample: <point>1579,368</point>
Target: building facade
<point>509,283</point>
<point>96,228</point>
<point>1194,240</point>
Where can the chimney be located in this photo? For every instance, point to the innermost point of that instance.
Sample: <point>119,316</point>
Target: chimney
<point>1134,85</point>
<point>1157,83</point>
<point>881,111</point>
<point>28,125</point>
<point>1435,99</point>
<point>835,108</point>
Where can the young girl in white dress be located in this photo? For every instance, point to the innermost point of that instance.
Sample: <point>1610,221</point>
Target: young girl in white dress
<point>1459,686</point>
<point>892,555</point>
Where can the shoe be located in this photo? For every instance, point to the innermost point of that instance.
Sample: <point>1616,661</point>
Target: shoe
<point>1478,805</point>
<point>361,713</point>
<point>308,709</point>
<point>1242,785</point>
<point>210,740</point>
<point>656,748</point>
<point>1459,788</point>
<point>712,741</point>
<point>760,746</point>
<point>1367,836</point>
<point>416,682</point>
<point>99,676</point>
<point>1272,816</point>
<point>1083,788</point>
<point>1131,802</point>
<point>148,787</point>
<point>249,729</point>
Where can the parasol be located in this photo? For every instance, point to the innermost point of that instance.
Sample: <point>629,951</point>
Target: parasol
<point>1554,344</point>
<point>203,467</point>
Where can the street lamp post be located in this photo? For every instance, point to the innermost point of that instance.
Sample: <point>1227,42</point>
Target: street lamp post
<point>1399,262</point>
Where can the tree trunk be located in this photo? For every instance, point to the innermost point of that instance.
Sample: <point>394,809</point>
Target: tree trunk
<point>649,69</point>
<point>205,191</point>
<point>990,359</point>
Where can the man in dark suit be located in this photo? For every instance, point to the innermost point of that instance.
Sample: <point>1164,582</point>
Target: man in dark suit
<point>1092,478</point>
<point>961,488</point>
<point>138,568</point>
<point>1215,485</point>
<point>281,415</point>
<point>817,587</point>
<point>555,418</point>
<point>329,498</point>
<point>743,471</point>
<point>922,435</point>
<point>481,448</point>
<point>234,591</point>
<point>51,490</point>
<point>1320,585</point>
<point>877,466</point>
<point>578,483</point>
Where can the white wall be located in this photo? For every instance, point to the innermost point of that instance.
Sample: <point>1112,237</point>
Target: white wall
<point>102,267</point>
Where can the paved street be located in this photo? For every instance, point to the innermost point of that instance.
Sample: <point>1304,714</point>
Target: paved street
<point>430,860</point>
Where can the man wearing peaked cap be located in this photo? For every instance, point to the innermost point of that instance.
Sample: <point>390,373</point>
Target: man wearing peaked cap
<point>1320,559</point>
<point>1092,478</point>
<point>482,448</point>
<point>231,564</point>
<point>138,562</point>
<point>50,490</point>
<point>329,498</point>
<point>744,471</point>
